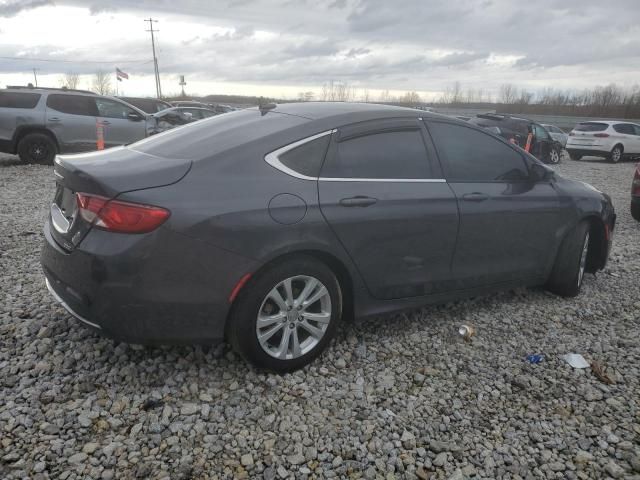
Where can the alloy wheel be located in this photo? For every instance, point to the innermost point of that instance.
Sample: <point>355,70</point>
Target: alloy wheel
<point>616,154</point>
<point>38,151</point>
<point>554,156</point>
<point>293,317</point>
<point>583,259</point>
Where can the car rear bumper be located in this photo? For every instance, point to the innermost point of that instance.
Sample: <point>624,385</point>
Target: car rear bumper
<point>157,288</point>
<point>586,151</point>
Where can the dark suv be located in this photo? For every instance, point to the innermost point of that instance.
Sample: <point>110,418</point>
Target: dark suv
<point>517,129</point>
<point>37,123</point>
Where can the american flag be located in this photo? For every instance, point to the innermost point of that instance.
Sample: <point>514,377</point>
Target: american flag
<point>120,74</point>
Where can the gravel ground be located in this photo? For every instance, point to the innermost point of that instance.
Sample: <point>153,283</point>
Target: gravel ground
<point>394,397</point>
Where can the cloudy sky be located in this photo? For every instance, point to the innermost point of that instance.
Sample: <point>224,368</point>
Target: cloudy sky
<point>282,47</point>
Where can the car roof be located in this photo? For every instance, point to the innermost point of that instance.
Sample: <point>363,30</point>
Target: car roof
<point>353,111</point>
<point>608,122</point>
<point>69,91</point>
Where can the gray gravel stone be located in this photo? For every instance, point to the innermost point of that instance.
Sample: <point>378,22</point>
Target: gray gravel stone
<point>398,395</point>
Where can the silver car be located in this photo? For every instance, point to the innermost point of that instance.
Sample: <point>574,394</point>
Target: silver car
<point>557,134</point>
<point>38,123</point>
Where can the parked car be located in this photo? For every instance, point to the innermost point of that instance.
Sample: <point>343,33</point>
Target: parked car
<point>613,140</point>
<point>269,225</point>
<point>190,103</point>
<point>556,133</point>
<point>147,105</point>
<point>517,129</point>
<point>176,116</point>
<point>635,194</point>
<point>37,123</point>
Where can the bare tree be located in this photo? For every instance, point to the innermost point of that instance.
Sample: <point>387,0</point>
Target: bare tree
<point>365,97</point>
<point>70,80</point>
<point>385,97</point>
<point>508,93</point>
<point>410,98</point>
<point>305,96</point>
<point>102,83</point>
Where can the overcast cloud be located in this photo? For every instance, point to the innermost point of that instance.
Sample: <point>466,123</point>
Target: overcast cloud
<point>296,44</point>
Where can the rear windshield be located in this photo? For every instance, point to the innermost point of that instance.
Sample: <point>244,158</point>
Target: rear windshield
<point>216,134</point>
<point>19,99</point>
<point>591,127</point>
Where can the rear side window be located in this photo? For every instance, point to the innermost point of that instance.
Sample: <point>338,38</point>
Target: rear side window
<point>473,156</point>
<point>388,155</point>
<point>591,127</point>
<point>625,128</point>
<point>73,104</point>
<point>19,99</point>
<point>307,158</point>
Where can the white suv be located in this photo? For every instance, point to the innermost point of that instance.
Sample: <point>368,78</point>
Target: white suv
<point>610,139</point>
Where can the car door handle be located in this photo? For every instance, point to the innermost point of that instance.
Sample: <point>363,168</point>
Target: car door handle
<point>54,119</point>
<point>475,197</point>
<point>105,122</point>
<point>358,201</point>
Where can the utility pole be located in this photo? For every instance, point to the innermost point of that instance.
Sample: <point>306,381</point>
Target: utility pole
<point>155,59</point>
<point>35,76</point>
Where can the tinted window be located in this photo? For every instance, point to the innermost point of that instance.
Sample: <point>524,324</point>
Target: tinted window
<point>307,158</point>
<point>624,128</point>
<point>473,156</point>
<point>73,104</point>
<point>112,109</point>
<point>591,127</point>
<point>399,154</point>
<point>18,99</point>
<point>216,134</point>
<point>147,105</point>
<point>540,132</point>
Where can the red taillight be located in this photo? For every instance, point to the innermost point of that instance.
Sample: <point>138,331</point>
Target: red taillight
<point>601,135</point>
<point>118,216</point>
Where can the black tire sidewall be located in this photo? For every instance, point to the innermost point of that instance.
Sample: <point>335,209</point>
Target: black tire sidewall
<point>635,211</point>
<point>618,147</point>
<point>241,330</point>
<point>566,270</point>
<point>30,139</point>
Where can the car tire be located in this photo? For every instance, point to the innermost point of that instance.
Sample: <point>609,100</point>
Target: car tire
<point>37,148</point>
<point>554,156</point>
<point>574,156</point>
<point>635,211</point>
<point>280,326</point>
<point>616,154</point>
<point>571,261</point>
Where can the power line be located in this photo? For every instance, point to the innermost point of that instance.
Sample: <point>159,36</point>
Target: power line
<point>31,59</point>
<point>155,59</point>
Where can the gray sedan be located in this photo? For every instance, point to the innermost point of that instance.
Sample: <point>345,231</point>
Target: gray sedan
<point>269,226</point>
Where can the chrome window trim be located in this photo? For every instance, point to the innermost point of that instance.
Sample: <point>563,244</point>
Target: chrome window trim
<point>273,159</point>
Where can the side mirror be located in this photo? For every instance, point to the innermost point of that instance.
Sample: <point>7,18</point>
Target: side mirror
<point>134,117</point>
<point>540,173</point>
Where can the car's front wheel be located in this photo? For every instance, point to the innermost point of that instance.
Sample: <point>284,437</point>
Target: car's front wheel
<point>37,148</point>
<point>571,262</point>
<point>635,211</point>
<point>286,315</point>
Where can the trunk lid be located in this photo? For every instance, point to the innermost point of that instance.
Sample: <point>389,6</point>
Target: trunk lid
<point>106,173</point>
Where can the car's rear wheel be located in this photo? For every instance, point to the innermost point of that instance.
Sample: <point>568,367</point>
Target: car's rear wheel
<point>554,156</point>
<point>616,154</point>
<point>286,315</point>
<point>571,262</point>
<point>635,211</point>
<point>574,156</point>
<point>37,148</point>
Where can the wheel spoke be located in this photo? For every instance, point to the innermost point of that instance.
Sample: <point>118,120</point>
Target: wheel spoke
<point>264,337</point>
<point>313,331</point>
<point>283,348</point>
<point>296,351</point>
<point>308,288</point>
<point>268,320</point>
<point>276,297</point>
<point>321,292</point>
<point>289,292</point>
<point>322,317</point>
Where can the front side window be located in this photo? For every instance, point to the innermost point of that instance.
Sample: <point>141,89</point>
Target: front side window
<point>540,132</point>
<point>112,109</point>
<point>474,156</point>
<point>384,155</point>
<point>73,104</point>
<point>18,99</point>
